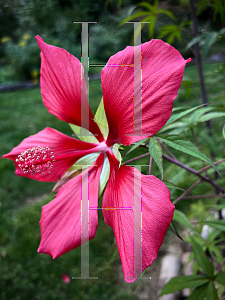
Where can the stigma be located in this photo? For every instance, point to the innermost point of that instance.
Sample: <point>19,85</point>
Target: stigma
<point>36,160</point>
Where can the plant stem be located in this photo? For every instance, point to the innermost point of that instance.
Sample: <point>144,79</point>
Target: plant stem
<point>187,191</point>
<point>208,167</point>
<point>136,158</point>
<point>150,166</point>
<point>197,144</point>
<point>167,150</point>
<point>178,163</point>
<point>203,196</point>
<point>220,267</point>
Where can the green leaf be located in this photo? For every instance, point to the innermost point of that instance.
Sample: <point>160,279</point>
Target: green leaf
<point>211,115</point>
<point>182,282</point>
<point>220,278</point>
<point>175,125</point>
<point>219,224</point>
<point>199,293</point>
<point>187,147</point>
<point>156,152</point>
<point>172,225</point>
<point>193,42</point>
<point>180,115</point>
<point>195,117</point>
<point>83,134</point>
<point>101,120</point>
<point>202,260</point>
<point>166,12</point>
<point>136,145</point>
<point>223,131</point>
<point>211,38</point>
<point>211,293</point>
<point>182,219</point>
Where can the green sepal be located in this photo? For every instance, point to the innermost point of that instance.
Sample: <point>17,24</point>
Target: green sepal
<point>101,120</point>
<point>104,177</point>
<point>115,151</point>
<point>85,161</point>
<point>83,134</point>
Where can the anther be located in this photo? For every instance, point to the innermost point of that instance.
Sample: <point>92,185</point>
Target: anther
<point>36,160</point>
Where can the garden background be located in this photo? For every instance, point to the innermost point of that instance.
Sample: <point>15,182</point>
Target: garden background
<point>25,274</point>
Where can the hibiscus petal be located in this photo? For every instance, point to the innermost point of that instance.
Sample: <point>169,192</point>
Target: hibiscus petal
<point>61,218</point>
<point>147,228</point>
<point>162,71</point>
<point>62,84</point>
<point>66,151</point>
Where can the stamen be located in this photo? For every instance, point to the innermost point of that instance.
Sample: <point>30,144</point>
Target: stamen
<point>36,160</point>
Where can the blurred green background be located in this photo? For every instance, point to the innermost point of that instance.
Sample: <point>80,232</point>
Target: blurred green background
<point>25,274</point>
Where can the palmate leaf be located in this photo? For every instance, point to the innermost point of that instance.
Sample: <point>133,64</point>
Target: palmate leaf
<point>220,278</point>
<point>176,117</point>
<point>182,282</point>
<point>211,116</point>
<point>186,147</point>
<point>201,258</point>
<point>199,293</point>
<point>182,219</point>
<point>156,153</point>
<point>196,116</point>
<point>211,293</point>
<point>219,224</point>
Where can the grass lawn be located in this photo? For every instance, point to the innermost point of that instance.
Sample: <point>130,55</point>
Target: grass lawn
<point>27,275</point>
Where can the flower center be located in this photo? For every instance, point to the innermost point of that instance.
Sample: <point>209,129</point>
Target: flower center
<point>36,160</point>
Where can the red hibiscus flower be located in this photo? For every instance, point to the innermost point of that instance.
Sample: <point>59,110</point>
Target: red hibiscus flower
<point>51,155</point>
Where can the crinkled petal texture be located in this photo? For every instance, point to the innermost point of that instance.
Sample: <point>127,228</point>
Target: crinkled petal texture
<point>64,89</point>
<point>161,69</point>
<point>66,151</point>
<point>61,229</point>
<point>124,184</point>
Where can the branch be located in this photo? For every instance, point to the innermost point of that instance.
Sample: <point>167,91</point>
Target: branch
<point>194,172</point>
<point>187,191</point>
<point>220,267</point>
<point>150,166</point>
<point>167,150</point>
<point>178,163</point>
<point>203,196</point>
<point>136,158</point>
<point>208,167</point>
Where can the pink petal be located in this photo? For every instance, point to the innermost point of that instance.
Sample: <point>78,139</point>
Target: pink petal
<point>157,213</point>
<point>66,151</point>
<point>62,81</point>
<point>61,218</point>
<point>162,72</point>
